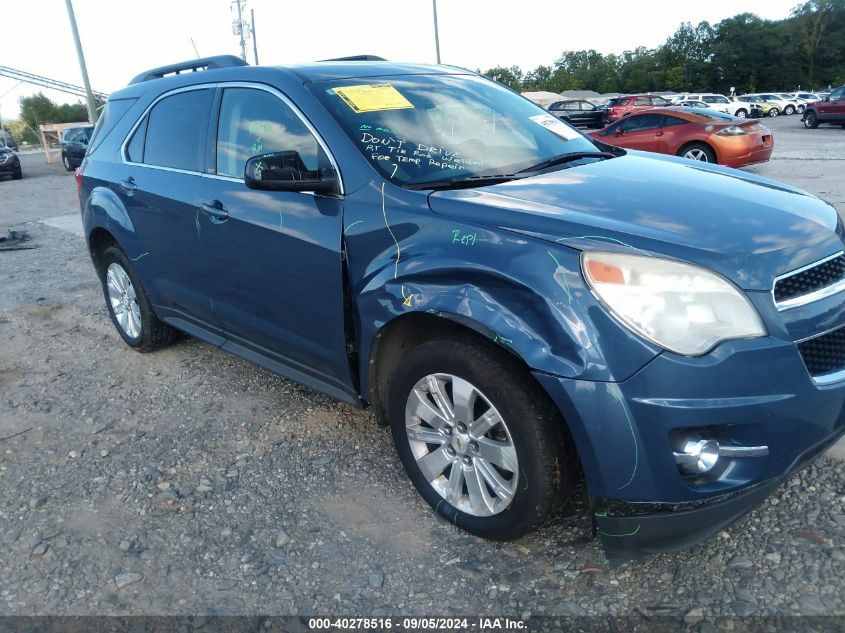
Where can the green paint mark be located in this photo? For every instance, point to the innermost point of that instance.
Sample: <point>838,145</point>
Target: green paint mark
<point>601,513</point>
<point>351,225</point>
<point>616,394</point>
<point>135,259</point>
<point>636,529</point>
<point>602,238</point>
<point>504,341</point>
<point>197,223</point>
<point>560,277</point>
<point>467,239</point>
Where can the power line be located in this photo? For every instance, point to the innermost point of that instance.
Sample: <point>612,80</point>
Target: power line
<point>46,82</point>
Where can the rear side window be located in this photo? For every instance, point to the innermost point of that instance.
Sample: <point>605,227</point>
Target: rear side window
<point>175,131</point>
<point>642,101</point>
<point>616,102</point>
<point>111,115</point>
<point>254,122</point>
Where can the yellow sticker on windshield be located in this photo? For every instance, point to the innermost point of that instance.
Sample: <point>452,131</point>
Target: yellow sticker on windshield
<point>373,98</point>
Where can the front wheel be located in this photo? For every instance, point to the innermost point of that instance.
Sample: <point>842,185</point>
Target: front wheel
<point>789,110</point>
<point>66,162</point>
<point>774,112</point>
<point>17,174</point>
<point>129,306</point>
<point>698,151</point>
<point>478,439</point>
<point>811,121</point>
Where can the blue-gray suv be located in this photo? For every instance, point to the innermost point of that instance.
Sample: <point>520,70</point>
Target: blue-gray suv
<point>524,306</point>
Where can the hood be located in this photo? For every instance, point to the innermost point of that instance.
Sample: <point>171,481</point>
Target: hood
<point>748,228</point>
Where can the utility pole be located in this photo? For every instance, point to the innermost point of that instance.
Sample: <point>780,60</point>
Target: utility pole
<point>254,38</point>
<point>89,96</point>
<point>240,28</point>
<point>436,34</point>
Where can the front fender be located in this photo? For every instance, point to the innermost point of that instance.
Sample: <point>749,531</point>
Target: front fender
<point>523,293</point>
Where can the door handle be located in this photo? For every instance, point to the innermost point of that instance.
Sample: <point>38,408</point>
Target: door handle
<point>128,185</point>
<point>659,133</point>
<point>215,210</point>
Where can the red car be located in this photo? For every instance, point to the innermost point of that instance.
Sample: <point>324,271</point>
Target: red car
<point>697,134</point>
<point>618,107</point>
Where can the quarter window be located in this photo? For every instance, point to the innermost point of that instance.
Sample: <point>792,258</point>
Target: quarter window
<point>837,94</point>
<point>175,131</point>
<point>254,122</point>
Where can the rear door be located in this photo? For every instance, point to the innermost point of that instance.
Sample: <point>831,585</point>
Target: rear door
<point>158,182</point>
<point>275,272</point>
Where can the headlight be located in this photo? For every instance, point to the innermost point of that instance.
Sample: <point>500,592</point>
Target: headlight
<point>733,130</point>
<point>682,308</point>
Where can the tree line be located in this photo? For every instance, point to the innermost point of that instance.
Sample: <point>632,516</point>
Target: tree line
<point>746,52</point>
<point>39,109</point>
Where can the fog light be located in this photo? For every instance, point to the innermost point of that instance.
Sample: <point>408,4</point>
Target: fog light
<point>698,456</point>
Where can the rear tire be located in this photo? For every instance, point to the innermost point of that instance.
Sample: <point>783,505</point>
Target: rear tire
<point>128,304</point>
<point>500,483</point>
<point>66,162</point>
<point>811,121</point>
<point>741,113</point>
<point>788,110</point>
<point>774,112</point>
<point>699,152</point>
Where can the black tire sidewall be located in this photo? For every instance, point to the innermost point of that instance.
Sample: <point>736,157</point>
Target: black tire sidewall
<point>114,255</point>
<point>711,155</point>
<point>530,504</point>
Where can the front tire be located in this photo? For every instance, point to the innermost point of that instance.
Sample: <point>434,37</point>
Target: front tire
<point>741,113</point>
<point>478,439</point>
<point>17,174</point>
<point>774,112</point>
<point>811,121</point>
<point>128,304</point>
<point>699,152</point>
<point>789,110</point>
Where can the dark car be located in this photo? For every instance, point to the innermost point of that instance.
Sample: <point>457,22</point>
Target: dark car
<point>578,113</point>
<point>523,305</point>
<point>10,164</point>
<point>74,145</point>
<point>831,109</point>
<point>8,140</point>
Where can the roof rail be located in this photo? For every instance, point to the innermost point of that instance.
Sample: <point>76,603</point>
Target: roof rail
<point>356,58</point>
<point>193,65</point>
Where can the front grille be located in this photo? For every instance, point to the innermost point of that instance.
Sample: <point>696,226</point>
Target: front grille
<point>824,354</point>
<point>810,280</point>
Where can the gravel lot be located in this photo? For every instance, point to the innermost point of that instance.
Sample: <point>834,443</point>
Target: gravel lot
<point>190,482</point>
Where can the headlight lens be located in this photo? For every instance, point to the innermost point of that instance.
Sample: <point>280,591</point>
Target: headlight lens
<point>683,308</point>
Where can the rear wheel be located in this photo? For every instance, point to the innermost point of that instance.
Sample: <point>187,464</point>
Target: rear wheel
<point>66,162</point>
<point>741,113</point>
<point>774,112</point>
<point>128,304</point>
<point>789,110</point>
<point>478,439</point>
<point>698,151</point>
<point>811,121</point>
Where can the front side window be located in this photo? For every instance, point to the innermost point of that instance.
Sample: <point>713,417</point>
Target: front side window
<point>642,101</point>
<point>425,128</point>
<point>658,101</point>
<point>837,94</point>
<point>254,122</point>
<point>641,122</point>
<point>176,130</point>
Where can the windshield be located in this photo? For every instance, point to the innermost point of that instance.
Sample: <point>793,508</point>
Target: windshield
<point>424,128</point>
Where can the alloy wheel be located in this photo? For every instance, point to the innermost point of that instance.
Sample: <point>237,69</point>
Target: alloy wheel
<point>461,444</point>
<point>124,300</point>
<point>696,153</point>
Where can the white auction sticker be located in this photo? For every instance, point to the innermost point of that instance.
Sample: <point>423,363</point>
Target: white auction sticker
<point>553,124</point>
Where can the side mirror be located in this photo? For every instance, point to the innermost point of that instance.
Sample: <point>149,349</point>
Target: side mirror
<point>619,132</point>
<point>285,171</point>
<point>827,98</point>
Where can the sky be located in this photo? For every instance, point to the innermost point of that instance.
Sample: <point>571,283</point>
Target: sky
<point>121,38</point>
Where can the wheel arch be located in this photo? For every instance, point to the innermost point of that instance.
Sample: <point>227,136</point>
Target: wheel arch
<point>700,141</point>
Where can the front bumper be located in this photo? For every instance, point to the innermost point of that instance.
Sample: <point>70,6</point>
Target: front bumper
<point>754,392</point>
<point>10,167</point>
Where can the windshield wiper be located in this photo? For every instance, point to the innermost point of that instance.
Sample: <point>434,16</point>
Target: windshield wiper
<point>459,182</point>
<point>566,158</point>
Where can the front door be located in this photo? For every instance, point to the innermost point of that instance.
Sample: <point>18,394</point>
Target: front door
<point>641,131</point>
<point>275,268</point>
